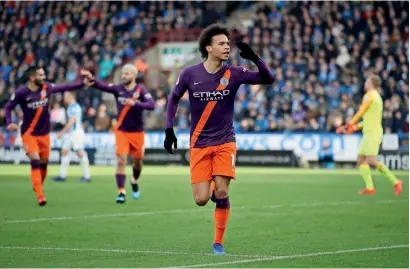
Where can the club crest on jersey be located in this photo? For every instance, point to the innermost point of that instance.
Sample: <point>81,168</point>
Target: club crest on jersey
<point>224,81</point>
<point>136,95</point>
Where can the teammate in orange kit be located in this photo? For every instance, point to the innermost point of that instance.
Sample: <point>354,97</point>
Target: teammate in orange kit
<point>212,86</point>
<point>35,130</point>
<point>132,99</point>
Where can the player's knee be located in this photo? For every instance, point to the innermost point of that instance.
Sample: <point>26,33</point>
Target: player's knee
<point>373,164</point>
<point>121,161</point>
<point>80,153</point>
<point>137,164</point>
<point>221,193</point>
<point>361,162</point>
<point>64,153</point>
<point>33,156</point>
<point>201,201</point>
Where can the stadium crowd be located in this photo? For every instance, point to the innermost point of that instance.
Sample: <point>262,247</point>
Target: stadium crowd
<point>319,53</point>
<point>99,36</point>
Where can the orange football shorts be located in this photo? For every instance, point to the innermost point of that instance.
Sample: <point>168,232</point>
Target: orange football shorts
<point>40,144</point>
<point>130,143</point>
<point>205,163</point>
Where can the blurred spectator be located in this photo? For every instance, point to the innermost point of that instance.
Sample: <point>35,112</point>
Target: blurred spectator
<point>90,119</point>
<point>2,117</point>
<point>326,157</point>
<point>325,64</point>
<point>106,67</point>
<point>102,122</point>
<point>99,36</point>
<point>319,52</point>
<point>57,117</point>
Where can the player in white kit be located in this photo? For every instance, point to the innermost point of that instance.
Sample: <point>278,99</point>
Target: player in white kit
<point>73,134</point>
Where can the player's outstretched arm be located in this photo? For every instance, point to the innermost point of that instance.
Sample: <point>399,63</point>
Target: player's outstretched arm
<point>68,87</point>
<point>98,84</point>
<point>110,88</point>
<point>172,106</point>
<point>263,76</point>
<point>11,104</point>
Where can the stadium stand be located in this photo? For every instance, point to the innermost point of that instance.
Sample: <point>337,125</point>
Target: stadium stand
<point>318,52</point>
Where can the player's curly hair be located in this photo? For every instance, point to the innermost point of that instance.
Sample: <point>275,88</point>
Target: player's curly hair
<point>205,38</point>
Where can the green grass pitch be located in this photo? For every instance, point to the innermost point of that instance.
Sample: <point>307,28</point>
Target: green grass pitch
<point>279,218</point>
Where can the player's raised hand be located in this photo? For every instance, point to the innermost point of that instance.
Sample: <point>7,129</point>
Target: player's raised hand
<point>246,51</point>
<point>12,127</point>
<point>341,129</point>
<point>170,139</point>
<point>88,82</point>
<point>88,77</point>
<point>87,74</point>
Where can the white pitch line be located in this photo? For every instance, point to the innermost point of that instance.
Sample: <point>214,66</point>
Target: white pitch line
<point>159,252</point>
<point>197,210</point>
<point>287,257</point>
<point>176,211</point>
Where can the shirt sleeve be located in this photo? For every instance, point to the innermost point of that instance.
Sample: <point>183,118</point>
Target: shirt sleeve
<point>262,76</point>
<point>180,88</point>
<point>110,88</point>
<point>52,88</point>
<point>146,101</point>
<point>367,101</point>
<point>11,104</point>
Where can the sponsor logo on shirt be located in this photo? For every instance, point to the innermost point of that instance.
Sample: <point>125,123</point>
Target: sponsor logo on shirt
<point>37,104</point>
<point>211,96</point>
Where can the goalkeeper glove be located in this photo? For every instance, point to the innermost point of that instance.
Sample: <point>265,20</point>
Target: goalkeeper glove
<point>352,128</point>
<point>347,129</point>
<point>341,129</point>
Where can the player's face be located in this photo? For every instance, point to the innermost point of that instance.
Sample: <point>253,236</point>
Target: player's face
<point>40,77</point>
<point>127,77</point>
<point>220,47</point>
